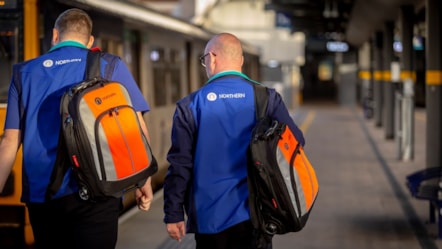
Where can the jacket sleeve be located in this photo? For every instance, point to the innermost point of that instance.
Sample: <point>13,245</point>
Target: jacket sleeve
<point>180,157</point>
<point>278,110</point>
<point>14,114</point>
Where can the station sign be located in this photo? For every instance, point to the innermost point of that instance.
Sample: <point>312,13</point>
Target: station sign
<point>336,46</point>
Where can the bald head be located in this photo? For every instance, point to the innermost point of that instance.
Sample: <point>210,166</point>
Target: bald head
<point>228,53</point>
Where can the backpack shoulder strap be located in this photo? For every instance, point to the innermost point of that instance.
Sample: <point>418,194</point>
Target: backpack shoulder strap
<point>61,166</point>
<point>93,64</point>
<point>93,70</point>
<point>112,62</point>
<point>261,100</point>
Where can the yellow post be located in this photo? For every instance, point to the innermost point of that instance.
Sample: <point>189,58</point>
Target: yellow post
<point>31,24</point>
<point>31,45</point>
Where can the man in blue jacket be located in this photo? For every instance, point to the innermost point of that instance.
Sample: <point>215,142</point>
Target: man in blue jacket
<point>207,176</point>
<point>33,120</point>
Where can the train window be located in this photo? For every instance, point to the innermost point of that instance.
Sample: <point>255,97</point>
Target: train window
<point>159,82</point>
<point>157,55</point>
<point>159,75</point>
<point>174,56</point>
<point>8,55</point>
<point>132,55</point>
<point>176,84</point>
<point>167,74</point>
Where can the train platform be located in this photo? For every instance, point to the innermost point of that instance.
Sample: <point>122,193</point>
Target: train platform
<point>363,200</point>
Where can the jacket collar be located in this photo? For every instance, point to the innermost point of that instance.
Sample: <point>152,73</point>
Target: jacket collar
<point>68,43</point>
<point>226,73</point>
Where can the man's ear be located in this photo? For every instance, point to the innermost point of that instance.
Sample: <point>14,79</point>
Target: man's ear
<point>91,42</point>
<point>55,37</point>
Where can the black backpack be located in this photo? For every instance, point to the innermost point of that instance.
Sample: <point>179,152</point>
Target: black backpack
<point>101,139</point>
<point>282,183</point>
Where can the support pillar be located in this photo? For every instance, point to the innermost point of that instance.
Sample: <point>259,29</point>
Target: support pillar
<point>433,83</point>
<point>365,79</point>
<point>377,83</point>
<point>388,104</point>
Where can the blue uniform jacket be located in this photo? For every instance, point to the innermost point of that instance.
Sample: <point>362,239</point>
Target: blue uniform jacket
<point>33,107</point>
<point>207,176</point>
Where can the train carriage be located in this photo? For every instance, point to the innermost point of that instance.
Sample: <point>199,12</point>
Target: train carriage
<point>161,51</point>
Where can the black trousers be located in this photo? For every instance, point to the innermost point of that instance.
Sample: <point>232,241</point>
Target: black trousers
<point>71,223</point>
<point>239,236</point>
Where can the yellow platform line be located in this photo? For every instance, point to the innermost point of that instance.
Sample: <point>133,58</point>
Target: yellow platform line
<point>307,121</point>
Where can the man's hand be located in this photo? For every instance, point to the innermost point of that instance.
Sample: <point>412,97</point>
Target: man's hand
<point>176,230</point>
<point>144,195</point>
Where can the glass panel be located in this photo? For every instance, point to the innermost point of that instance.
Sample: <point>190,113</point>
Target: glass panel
<point>174,56</point>
<point>159,82</point>
<point>175,84</point>
<point>131,55</point>
<point>8,56</point>
<point>175,75</point>
<point>157,56</point>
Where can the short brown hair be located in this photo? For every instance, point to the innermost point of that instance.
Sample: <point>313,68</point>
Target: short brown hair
<point>74,22</point>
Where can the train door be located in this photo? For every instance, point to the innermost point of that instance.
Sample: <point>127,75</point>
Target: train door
<point>15,229</point>
<point>8,56</point>
<point>169,76</point>
<point>167,82</point>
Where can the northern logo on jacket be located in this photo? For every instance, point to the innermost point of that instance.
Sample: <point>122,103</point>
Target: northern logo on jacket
<point>211,96</point>
<point>48,63</point>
